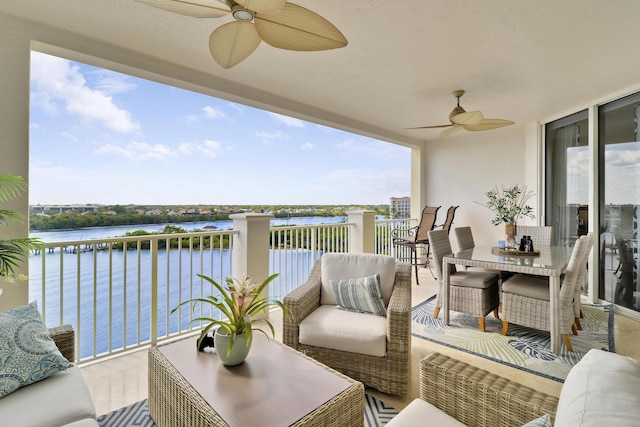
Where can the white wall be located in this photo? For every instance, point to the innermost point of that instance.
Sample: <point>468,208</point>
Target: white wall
<point>461,168</point>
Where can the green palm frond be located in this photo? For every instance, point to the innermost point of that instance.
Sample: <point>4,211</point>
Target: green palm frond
<point>11,187</point>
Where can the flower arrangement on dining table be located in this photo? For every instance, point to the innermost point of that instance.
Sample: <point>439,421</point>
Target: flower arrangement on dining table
<point>509,204</point>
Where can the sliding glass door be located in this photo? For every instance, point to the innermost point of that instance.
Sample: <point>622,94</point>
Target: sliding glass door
<point>619,197</point>
<point>567,177</point>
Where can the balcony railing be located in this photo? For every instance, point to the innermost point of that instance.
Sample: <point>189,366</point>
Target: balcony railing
<point>118,293</point>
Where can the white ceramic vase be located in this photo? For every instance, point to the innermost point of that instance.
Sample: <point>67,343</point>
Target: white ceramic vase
<point>239,351</point>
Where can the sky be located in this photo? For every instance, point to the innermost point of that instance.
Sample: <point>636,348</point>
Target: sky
<point>101,137</point>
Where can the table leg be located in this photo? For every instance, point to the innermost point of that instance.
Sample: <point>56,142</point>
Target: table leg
<point>445,291</point>
<point>554,300</point>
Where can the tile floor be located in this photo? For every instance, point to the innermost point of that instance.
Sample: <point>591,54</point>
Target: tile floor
<point>122,380</point>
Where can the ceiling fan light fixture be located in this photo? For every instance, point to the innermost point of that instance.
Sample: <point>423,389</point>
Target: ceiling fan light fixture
<point>241,14</point>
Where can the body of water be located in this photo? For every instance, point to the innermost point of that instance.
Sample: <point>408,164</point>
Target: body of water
<point>92,233</point>
<point>93,290</point>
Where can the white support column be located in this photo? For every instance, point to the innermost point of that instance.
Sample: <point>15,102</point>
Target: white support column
<point>418,180</point>
<point>14,140</point>
<point>250,255</point>
<point>362,236</point>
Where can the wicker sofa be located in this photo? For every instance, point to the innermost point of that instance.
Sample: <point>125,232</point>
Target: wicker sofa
<point>601,389</point>
<point>60,400</point>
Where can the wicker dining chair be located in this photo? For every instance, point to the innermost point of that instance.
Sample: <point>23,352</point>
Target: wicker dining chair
<point>415,238</point>
<point>526,300</point>
<point>472,292</point>
<point>346,340</point>
<point>541,235</point>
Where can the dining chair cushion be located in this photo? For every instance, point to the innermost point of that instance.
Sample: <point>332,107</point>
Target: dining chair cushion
<point>361,295</point>
<point>474,279</point>
<point>361,333</point>
<point>528,286</point>
<point>337,266</point>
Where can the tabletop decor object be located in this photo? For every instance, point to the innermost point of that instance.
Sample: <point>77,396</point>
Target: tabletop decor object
<point>238,303</point>
<point>509,205</point>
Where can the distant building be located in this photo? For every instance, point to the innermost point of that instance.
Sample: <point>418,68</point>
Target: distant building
<point>62,208</point>
<point>400,207</point>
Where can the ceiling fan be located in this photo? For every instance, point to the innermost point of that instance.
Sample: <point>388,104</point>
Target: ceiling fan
<point>278,23</point>
<point>468,120</point>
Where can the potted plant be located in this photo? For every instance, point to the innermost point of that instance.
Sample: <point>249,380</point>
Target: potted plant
<point>509,205</point>
<point>13,251</point>
<point>238,303</point>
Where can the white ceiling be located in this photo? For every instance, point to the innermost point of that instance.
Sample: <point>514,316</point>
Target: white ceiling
<point>525,61</point>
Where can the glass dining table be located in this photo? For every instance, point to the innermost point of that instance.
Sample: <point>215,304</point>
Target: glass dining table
<point>550,262</point>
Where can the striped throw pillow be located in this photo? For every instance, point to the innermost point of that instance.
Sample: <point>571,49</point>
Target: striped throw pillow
<point>362,295</point>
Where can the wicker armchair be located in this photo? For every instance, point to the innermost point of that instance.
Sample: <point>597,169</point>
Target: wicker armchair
<point>388,373</point>
<point>64,337</point>
<point>472,292</point>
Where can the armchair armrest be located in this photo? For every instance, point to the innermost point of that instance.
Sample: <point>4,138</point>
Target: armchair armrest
<point>64,337</point>
<point>399,312</point>
<point>301,302</point>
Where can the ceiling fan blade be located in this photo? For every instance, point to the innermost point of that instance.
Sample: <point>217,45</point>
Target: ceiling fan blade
<point>433,127</point>
<point>262,6</point>
<point>193,8</point>
<point>297,28</point>
<point>467,118</point>
<point>233,42</point>
<point>488,124</point>
<point>450,131</point>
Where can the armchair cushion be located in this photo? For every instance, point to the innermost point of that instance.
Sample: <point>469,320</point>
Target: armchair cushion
<point>27,353</point>
<point>343,330</point>
<point>337,266</point>
<point>361,295</point>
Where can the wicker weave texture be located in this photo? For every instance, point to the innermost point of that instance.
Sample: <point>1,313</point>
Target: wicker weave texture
<point>173,402</point>
<point>64,337</point>
<point>535,313</point>
<point>540,235</point>
<point>471,300</point>
<point>478,398</point>
<point>389,374</point>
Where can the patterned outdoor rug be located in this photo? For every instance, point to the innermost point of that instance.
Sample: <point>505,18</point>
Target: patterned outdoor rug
<point>524,348</point>
<point>376,414</point>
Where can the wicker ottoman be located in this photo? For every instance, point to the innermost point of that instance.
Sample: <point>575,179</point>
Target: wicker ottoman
<point>275,386</point>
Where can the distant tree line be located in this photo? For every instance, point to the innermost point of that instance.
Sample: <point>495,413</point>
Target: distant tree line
<point>128,215</point>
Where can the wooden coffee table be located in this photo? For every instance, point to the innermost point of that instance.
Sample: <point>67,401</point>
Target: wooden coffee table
<point>275,386</point>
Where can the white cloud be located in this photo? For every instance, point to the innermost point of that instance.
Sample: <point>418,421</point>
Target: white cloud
<point>56,83</point>
<point>288,121</point>
<point>140,151</point>
<point>307,146</point>
<point>269,137</point>
<point>213,113</point>
<point>371,147</point>
<point>112,83</point>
